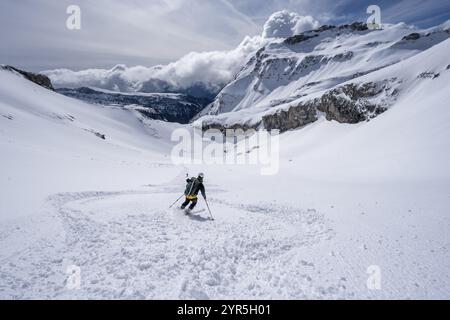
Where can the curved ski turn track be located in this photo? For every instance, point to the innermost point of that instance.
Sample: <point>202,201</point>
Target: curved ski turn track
<point>130,245</point>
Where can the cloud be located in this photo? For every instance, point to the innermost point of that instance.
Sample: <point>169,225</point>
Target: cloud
<point>211,70</point>
<point>284,24</point>
<point>34,34</point>
<point>207,71</point>
<point>148,32</point>
<point>209,67</point>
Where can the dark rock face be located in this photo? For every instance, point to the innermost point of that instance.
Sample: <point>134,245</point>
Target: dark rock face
<point>347,104</point>
<point>350,103</point>
<point>196,90</point>
<point>428,39</point>
<point>295,117</point>
<point>428,75</point>
<point>39,79</point>
<point>325,28</point>
<point>223,128</point>
<point>412,36</point>
<point>356,26</point>
<point>283,120</point>
<point>298,38</point>
<point>166,107</point>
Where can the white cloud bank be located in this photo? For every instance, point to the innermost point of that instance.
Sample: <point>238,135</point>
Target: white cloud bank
<point>210,70</point>
<point>284,24</point>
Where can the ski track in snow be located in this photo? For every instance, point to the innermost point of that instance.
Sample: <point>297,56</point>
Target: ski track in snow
<point>128,245</point>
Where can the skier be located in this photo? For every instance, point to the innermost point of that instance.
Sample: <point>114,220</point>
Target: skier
<point>194,186</point>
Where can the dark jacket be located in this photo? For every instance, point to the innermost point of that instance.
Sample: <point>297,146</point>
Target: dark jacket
<point>194,186</point>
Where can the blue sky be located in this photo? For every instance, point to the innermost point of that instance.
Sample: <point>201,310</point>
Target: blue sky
<point>149,32</point>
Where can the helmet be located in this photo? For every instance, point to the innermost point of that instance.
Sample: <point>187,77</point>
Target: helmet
<point>201,175</point>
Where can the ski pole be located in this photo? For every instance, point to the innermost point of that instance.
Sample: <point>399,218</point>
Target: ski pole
<point>176,201</point>
<point>209,209</point>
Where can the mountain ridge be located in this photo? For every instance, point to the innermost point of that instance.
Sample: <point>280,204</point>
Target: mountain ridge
<point>296,71</point>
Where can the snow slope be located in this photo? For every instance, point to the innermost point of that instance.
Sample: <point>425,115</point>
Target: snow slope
<point>50,143</point>
<point>379,192</point>
<point>347,197</point>
<point>417,125</point>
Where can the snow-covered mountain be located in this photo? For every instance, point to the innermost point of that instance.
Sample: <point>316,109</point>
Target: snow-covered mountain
<point>87,187</point>
<point>285,84</point>
<point>289,82</point>
<point>159,106</point>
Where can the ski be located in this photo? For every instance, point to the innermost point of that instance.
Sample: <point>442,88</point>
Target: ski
<point>188,212</point>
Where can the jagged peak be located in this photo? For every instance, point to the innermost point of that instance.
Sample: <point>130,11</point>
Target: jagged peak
<point>304,36</point>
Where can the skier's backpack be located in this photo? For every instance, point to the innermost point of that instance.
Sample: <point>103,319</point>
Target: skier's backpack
<point>191,187</point>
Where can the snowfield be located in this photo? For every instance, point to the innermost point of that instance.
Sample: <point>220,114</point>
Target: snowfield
<point>90,186</point>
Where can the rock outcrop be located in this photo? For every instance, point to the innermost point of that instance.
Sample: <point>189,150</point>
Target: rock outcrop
<point>352,103</point>
<point>223,128</point>
<point>37,78</point>
<point>412,37</point>
<point>159,106</point>
<point>295,117</point>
